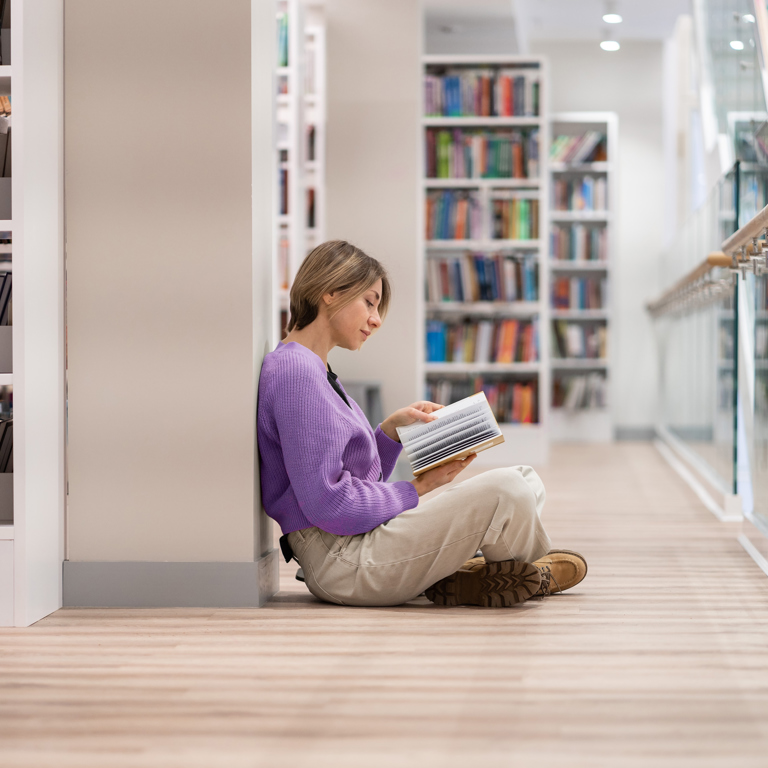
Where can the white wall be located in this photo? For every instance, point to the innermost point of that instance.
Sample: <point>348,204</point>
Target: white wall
<point>373,75</point>
<point>628,82</point>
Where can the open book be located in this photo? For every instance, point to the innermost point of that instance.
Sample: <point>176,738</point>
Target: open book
<point>464,427</point>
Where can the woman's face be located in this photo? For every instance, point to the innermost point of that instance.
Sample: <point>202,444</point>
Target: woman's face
<point>358,321</point>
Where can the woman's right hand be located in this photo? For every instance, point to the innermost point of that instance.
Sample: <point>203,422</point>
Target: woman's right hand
<point>434,478</point>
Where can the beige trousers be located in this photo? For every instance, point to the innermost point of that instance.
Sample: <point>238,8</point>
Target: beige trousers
<point>497,511</point>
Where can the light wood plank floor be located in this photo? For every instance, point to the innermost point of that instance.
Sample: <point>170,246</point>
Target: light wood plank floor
<point>659,658</point>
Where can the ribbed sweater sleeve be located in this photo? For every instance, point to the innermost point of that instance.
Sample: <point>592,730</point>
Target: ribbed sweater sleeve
<point>388,450</point>
<point>314,441</point>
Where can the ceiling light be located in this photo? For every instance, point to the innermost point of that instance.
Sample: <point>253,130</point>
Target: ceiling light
<point>737,45</point>
<point>610,16</point>
<point>749,18</point>
<point>610,45</point>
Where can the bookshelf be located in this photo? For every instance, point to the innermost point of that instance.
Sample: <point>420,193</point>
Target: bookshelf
<point>300,145</point>
<point>32,381</point>
<point>483,202</point>
<point>581,251</point>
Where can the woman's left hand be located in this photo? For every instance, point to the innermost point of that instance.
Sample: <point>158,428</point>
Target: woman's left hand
<point>421,411</point>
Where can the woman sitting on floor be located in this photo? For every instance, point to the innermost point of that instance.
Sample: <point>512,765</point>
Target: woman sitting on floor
<point>359,539</point>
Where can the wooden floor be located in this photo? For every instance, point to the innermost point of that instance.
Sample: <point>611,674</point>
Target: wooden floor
<point>659,658</point>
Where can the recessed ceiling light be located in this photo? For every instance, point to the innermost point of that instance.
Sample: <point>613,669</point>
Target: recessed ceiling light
<point>737,45</point>
<point>610,13</point>
<point>610,45</point>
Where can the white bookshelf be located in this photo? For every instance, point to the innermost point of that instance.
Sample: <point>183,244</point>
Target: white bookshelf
<point>584,424</point>
<point>32,536</point>
<point>299,108</point>
<point>524,443</point>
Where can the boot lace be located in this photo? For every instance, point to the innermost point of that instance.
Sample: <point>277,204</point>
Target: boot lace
<point>547,577</point>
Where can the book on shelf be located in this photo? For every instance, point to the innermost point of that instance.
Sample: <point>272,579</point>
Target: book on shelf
<point>481,91</point>
<point>464,427</point>
<point>462,153</point>
<point>6,445</point>
<point>578,242</point>
<point>581,392</point>
<point>453,214</point>
<point>282,39</point>
<point>483,341</point>
<point>588,193</point>
<point>311,143</point>
<point>514,216</point>
<point>482,277</point>
<point>512,402</point>
<point>283,258</point>
<point>589,147</point>
<point>311,207</point>
<point>283,191</point>
<point>579,340</point>
<point>579,293</point>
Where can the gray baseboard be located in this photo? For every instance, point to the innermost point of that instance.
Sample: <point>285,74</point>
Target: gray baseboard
<point>170,585</point>
<point>638,434</point>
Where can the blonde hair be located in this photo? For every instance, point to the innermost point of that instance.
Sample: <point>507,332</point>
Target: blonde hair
<point>334,266</point>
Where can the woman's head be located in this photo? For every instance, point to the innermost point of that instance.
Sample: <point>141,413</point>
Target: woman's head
<point>349,288</point>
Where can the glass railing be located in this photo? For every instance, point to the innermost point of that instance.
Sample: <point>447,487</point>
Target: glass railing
<point>695,335</point>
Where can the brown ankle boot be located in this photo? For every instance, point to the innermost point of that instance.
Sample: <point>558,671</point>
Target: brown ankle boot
<point>493,585</point>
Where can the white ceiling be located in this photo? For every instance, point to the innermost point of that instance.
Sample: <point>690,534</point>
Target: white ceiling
<point>560,19</point>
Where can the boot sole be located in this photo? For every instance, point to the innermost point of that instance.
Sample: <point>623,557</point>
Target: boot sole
<point>496,585</point>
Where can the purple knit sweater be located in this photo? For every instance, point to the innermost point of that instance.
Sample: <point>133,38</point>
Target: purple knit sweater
<point>321,463</point>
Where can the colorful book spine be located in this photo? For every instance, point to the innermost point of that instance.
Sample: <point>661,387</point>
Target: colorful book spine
<point>482,341</point>
<point>578,242</point>
<point>512,402</point>
<point>580,391</point>
<point>579,341</point>
<point>453,215</point>
<point>514,218</point>
<point>482,277</point>
<point>579,293</point>
<point>481,154</point>
<point>589,147</point>
<point>588,193</point>
<point>481,92</point>
<point>282,40</point>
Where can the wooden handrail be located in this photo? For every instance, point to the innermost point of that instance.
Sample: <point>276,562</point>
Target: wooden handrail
<point>714,260</point>
<point>754,228</point>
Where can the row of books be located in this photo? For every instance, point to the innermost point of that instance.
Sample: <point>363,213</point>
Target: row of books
<point>578,242</point>
<point>483,277</point>
<point>579,340</point>
<point>6,446</point>
<point>282,39</point>
<point>589,193</point>
<point>512,402</point>
<point>482,154</point>
<point>587,148</point>
<point>584,391</point>
<point>483,341</point>
<point>579,293</point>
<point>5,106</point>
<point>311,207</point>
<point>453,215</point>
<point>515,218</point>
<point>481,92</point>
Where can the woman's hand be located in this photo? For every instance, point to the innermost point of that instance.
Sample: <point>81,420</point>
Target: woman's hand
<point>421,411</point>
<point>434,478</point>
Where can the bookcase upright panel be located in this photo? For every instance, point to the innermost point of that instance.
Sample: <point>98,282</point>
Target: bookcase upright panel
<point>581,251</point>
<point>484,207</point>
<point>300,144</point>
